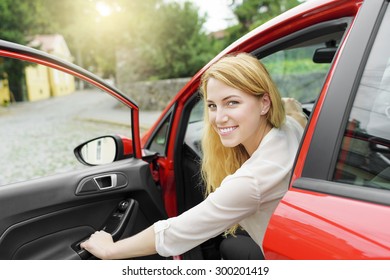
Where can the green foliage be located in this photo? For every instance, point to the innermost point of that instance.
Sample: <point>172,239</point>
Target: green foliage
<point>252,13</point>
<point>90,37</point>
<point>163,39</point>
<point>156,39</point>
<point>302,66</point>
<point>179,47</point>
<point>18,21</point>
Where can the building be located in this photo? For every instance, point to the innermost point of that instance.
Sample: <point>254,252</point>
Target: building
<point>5,96</point>
<point>43,82</point>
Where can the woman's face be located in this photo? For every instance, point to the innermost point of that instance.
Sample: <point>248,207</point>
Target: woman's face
<point>236,116</point>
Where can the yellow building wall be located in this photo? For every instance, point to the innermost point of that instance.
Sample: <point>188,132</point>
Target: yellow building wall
<point>61,83</point>
<point>5,96</point>
<point>37,82</point>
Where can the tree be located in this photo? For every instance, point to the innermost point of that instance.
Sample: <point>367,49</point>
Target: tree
<point>252,13</point>
<point>162,39</point>
<point>18,22</point>
<point>168,42</point>
<point>179,46</point>
<point>79,23</point>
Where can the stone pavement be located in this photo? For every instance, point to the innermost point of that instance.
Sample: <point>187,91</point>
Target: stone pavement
<point>97,111</point>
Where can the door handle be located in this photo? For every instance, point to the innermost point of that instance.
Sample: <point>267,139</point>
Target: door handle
<point>106,181</point>
<point>83,254</point>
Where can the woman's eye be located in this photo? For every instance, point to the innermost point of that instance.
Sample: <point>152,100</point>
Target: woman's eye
<point>212,106</point>
<point>232,103</point>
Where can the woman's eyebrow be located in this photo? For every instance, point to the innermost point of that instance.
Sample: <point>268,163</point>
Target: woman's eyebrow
<point>231,96</point>
<point>225,98</point>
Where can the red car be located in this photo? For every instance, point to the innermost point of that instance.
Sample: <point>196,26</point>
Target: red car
<point>331,55</point>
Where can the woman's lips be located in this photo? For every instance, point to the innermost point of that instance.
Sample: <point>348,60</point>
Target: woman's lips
<point>226,130</point>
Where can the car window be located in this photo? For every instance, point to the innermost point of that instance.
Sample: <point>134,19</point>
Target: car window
<point>299,70</point>
<point>364,157</point>
<point>296,73</point>
<point>159,141</point>
<point>195,128</point>
<point>56,114</point>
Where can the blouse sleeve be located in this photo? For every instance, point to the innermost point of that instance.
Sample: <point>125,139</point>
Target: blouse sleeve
<point>234,200</point>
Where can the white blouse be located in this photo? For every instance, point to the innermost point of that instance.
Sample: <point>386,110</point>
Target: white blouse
<point>248,197</point>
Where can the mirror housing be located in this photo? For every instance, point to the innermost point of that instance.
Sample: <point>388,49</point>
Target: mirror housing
<point>324,55</point>
<point>103,150</point>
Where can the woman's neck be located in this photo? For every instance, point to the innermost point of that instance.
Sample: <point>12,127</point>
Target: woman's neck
<point>263,131</point>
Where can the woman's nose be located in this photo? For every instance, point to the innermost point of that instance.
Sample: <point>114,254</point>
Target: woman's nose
<point>221,116</point>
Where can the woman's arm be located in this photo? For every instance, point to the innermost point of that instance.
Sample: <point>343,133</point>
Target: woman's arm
<point>101,245</point>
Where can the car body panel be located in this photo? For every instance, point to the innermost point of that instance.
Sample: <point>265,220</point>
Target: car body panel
<point>320,226</point>
<point>317,218</point>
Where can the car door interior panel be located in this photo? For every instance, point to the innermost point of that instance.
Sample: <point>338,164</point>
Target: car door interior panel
<point>52,219</point>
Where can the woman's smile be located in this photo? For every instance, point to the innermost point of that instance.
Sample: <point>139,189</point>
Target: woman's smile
<point>224,131</point>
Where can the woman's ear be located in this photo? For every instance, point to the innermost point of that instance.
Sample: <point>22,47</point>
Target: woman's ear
<point>266,104</point>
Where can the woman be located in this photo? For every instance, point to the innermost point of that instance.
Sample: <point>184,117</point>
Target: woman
<point>249,146</point>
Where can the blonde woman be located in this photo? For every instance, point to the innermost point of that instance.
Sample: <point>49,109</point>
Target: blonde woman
<point>249,146</point>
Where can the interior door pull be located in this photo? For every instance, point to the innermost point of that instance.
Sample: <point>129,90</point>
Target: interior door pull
<point>106,181</point>
<point>101,183</point>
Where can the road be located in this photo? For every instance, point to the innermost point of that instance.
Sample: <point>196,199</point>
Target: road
<point>38,138</point>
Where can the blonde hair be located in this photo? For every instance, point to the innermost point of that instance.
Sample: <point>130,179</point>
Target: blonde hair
<point>246,73</point>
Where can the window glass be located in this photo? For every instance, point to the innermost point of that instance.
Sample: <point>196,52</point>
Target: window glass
<point>160,139</point>
<point>195,128</point>
<point>53,113</point>
<point>299,71</point>
<point>295,72</point>
<point>364,158</point>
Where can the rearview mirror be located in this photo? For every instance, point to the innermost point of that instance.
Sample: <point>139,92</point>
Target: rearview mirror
<point>324,55</point>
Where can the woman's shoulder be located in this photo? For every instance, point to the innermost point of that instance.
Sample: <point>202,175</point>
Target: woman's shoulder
<point>277,149</point>
<point>295,131</point>
<point>293,124</point>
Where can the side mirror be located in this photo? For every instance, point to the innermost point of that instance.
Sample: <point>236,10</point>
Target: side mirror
<point>101,150</point>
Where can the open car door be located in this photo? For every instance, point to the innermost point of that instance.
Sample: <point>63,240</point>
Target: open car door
<point>49,201</point>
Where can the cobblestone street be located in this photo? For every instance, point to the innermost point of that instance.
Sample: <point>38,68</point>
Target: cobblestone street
<point>38,138</point>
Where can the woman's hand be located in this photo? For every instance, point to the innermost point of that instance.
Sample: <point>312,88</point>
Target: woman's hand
<point>294,109</point>
<point>100,244</point>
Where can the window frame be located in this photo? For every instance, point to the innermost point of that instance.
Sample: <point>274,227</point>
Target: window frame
<point>306,35</point>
